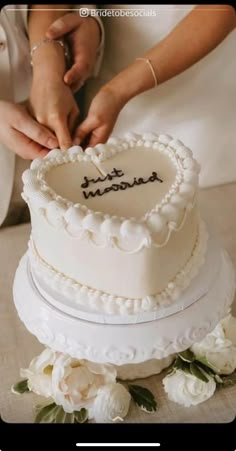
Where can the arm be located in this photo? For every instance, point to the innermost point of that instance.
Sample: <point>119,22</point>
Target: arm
<point>85,36</point>
<point>192,39</point>
<point>51,101</point>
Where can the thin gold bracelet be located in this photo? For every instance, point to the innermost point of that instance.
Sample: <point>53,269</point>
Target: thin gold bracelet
<point>151,68</point>
<point>49,41</point>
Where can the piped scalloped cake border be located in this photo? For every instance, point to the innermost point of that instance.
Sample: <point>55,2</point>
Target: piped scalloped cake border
<point>116,305</point>
<point>153,229</point>
<point>122,344</point>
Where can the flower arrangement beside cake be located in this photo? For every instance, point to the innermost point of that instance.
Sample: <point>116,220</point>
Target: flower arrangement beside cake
<point>81,391</point>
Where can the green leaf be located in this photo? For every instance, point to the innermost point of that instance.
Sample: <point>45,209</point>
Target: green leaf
<point>178,364</point>
<point>81,416</point>
<point>60,416</point>
<point>205,368</point>
<point>187,356</point>
<point>69,418</point>
<point>186,368</point>
<point>197,372</point>
<point>203,360</point>
<point>143,398</point>
<point>47,414</point>
<point>52,413</point>
<point>218,379</point>
<point>182,365</point>
<point>20,387</point>
<point>40,406</point>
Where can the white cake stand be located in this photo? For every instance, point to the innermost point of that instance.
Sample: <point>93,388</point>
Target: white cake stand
<point>122,344</point>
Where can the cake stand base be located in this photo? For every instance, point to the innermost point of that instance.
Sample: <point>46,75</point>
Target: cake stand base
<point>142,370</point>
<point>128,343</point>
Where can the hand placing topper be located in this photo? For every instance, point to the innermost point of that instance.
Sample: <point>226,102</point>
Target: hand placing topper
<point>101,118</point>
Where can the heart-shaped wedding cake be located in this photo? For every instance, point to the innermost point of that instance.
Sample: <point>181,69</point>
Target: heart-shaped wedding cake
<point>116,227</point>
<point>120,270</point>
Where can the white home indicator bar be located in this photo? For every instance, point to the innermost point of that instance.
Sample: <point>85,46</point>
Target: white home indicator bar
<point>140,445</point>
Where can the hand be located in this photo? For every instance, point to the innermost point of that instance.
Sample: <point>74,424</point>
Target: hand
<point>101,118</point>
<point>21,133</point>
<point>83,37</point>
<point>53,105</point>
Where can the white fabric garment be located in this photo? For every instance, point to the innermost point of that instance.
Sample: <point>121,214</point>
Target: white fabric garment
<point>197,106</point>
<point>15,79</point>
<point>17,210</point>
<point>15,82</point>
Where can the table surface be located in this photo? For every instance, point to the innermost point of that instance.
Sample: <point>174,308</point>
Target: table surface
<point>18,346</point>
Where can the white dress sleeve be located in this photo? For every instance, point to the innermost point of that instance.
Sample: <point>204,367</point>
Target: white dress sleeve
<point>23,12</point>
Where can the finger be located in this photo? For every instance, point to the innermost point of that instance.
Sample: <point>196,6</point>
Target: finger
<point>84,129</point>
<point>62,133</point>
<point>26,147</point>
<point>76,86</point>
<point>64,25</point>
<point>98,136</point>
<point>73,77</point>
<point>81,68</point>
<point>36,132</point>
<point>73,121</point>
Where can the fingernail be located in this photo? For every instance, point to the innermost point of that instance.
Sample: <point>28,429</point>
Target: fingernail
<point>43,152</point>
<point>65,146</point>
<point>68,79</point>
<point>77,141</point>
<point>56,27</point>
<point>52,142</point>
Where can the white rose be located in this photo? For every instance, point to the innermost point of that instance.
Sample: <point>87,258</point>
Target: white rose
<point>111,404</point>
<point>39,373</point>
<point>75,383</point>
<point>229,326</point>
<point>219,346</point>
<point>187,389</point>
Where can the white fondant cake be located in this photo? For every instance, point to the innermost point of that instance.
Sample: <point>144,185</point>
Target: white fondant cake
<point>117,226</point>
<point>119,268</point>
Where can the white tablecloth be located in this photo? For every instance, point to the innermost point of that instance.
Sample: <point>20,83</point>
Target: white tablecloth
<point>18,346</point>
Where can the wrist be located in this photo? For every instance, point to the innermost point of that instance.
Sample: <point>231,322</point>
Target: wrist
<point>47,77</point>
<point>112,89</point>
<point>119,90</point>
<point>48,58</point>
<point>133,80</point>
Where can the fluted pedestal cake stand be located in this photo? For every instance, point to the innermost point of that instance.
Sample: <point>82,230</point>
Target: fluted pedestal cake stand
<point>131,342</point>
